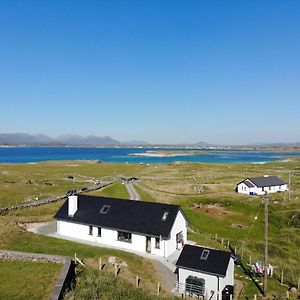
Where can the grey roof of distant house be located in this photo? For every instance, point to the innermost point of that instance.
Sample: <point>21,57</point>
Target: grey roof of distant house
<point>124,215</point>
<point>263,181</point>
<point>248,183</point>
<point>215,264</point>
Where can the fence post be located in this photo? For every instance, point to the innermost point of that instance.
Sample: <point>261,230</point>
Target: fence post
<point>281,279</point>
<point>250,260</point>
<point>287,294</point>
<point>298,283</point>
<point>255,297</point>
<point>136,281</point>
<point>222,241</point>
<point>228,243</point>
<point>116,270</point>
<point>158,289</point>
<point>234,250</point>
<point>100,264</point>
<point>216,237</point>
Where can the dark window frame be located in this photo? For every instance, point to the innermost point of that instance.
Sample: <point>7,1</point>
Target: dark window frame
<point>125,237</point>
<point>99,232</point>
<point>157,243</point>
<point>90,230</point>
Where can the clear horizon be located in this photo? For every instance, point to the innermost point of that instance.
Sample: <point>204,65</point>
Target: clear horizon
<point>161,72</point>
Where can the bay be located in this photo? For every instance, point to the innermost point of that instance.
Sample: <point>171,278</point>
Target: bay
<point>136,155</point>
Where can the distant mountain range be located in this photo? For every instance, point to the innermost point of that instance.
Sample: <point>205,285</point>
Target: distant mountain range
<point>69,139</point>
<point>92,140</point>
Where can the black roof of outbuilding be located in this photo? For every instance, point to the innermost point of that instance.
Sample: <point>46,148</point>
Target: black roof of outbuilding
<point>216,263</point>
<point>265,181</point>
<point>124,215</point>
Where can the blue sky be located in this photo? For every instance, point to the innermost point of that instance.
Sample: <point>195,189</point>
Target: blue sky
<point>224,72</point>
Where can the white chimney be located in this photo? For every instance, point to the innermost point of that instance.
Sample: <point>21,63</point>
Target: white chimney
<point>72,205</point>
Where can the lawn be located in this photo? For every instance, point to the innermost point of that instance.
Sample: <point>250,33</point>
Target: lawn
<point>206,192</point>
<point>116,190</point>
<point>21,240</point>
<point>27,280</point>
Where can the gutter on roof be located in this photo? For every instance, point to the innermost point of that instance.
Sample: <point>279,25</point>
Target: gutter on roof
<point>117,229</point>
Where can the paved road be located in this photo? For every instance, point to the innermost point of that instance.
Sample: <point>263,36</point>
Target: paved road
<point>133,194</point>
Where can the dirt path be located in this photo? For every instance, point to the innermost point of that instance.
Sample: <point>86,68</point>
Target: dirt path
<point>133,194</point>
<point>168,278</point>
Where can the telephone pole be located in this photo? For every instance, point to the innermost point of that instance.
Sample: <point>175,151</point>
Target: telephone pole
<point>289,187</point>
<point>266,263</point>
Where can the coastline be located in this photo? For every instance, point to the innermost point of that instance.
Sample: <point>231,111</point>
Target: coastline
<point>138,155</point>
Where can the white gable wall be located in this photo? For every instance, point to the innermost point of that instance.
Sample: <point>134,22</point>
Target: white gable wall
<point>180,225</point>
<point>229,278</point>
<point>242,188</point>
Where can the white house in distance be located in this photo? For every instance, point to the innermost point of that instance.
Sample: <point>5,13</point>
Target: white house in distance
<point>262,185</point>
<point>205,272</point>
<point>148,227</point>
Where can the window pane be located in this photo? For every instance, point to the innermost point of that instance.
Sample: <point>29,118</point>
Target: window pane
<point>124,236</point>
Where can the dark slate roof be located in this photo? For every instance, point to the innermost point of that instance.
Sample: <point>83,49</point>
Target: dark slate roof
<point>248,183</point>
<point>265,181</point>
<point>124,215</point>
<point>215,264</point>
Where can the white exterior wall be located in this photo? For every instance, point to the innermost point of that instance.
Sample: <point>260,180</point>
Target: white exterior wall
<point>179,225</point>
<point>108,237</point>
<point>138,242</point>
<point>243,189</point>
<point>158,251</point>
<point>229,278</point>
<point>211,281</point>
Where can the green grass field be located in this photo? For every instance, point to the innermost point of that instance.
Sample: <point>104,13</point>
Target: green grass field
<point>24,280</point>
<point>205,192</point>
<point>117,190</point>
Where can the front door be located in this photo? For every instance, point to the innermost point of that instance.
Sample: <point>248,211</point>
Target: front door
<point>148,244</point>
<point>179,240</point>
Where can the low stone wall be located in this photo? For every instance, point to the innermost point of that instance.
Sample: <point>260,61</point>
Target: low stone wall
<point>66,276</point>
<point>35,203</point>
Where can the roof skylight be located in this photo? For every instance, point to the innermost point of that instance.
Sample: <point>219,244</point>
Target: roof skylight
<point>204,254</point>
<point>165,215</point>
<point>104,209</point>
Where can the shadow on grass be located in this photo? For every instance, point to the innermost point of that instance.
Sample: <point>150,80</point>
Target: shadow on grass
<point>247,272</point>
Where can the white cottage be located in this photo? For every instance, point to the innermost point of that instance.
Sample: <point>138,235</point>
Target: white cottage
<point>205,272</point>
<point>148,227</point>
<point>262,185</point>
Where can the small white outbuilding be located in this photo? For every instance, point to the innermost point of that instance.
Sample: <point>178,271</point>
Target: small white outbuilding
<point>205,273</point>
<point>261,185</point>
